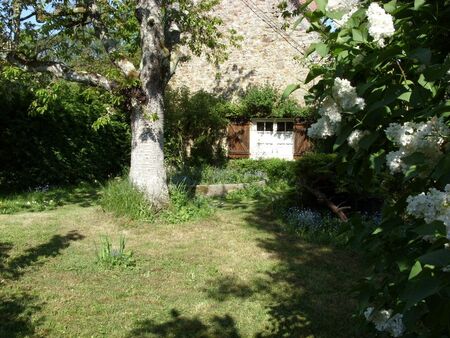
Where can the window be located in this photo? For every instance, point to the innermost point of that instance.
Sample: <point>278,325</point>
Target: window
<point>285,126</point>
<point>264,126</point>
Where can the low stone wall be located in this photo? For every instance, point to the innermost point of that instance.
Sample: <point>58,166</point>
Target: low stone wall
<point>214,190</point>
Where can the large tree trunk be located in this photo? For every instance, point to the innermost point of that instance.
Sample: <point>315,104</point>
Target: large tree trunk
<point>147,171</point>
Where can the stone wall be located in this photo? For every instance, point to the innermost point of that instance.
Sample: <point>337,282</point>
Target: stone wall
<point>266,54</point>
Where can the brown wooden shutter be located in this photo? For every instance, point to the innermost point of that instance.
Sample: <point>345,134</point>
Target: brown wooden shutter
<point>238,140</point>
<point>301,141</point>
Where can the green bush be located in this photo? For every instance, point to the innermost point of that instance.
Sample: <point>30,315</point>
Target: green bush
<point>259,101</point>
<point>194,128</point>
<point>324,172</point>
<point>390,94</point>
<point>46,135</point>
<point>216,175</point>
<point>236,171</point>
<point>275,169</point>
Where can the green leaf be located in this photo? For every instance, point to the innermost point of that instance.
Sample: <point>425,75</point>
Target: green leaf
<point>368,140</point>
<point>290,89</point>
<point>415,158</point>
<point>435,72</point>
<point>406,96</point>
<point>438,258</point>
<point>321,49</point>
<point>415,270</point>
<point>419,289</point>
<point>431,229</point>
<point>421,54</point>
<point>358,35</point>
<point>377,231</point>
<point>412,172</point>
<point>321,4</point>
<point>390,6</point>
<point>342,137</point>
<point>403,265</point>
<point>377,160</point>
<point>442,171</point>
<point>314,72</point>
<point>418,4</point>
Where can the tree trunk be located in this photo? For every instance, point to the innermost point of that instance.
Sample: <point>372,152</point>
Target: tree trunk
<point>147,170</point>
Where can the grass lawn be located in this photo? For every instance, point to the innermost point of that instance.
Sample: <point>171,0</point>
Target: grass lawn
<point>235,274</point>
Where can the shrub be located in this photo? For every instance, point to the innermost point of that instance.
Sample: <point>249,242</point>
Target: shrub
<point>264,101</point>
<point>259,101</point>
<point>46,135</point>
<point>236,171</point>
<point>384,108</point>
<point>324,172</point>
<point>194,128</point>
<point>274,169</point>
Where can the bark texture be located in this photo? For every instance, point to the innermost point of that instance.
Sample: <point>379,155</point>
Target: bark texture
<point>147,171</point>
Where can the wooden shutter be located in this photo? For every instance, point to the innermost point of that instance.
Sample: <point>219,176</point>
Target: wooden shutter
<point>301,141</point>
<point>238,140</point>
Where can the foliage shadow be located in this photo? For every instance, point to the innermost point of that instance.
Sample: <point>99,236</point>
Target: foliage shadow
<point>308,292</point>
<point>15,267</point>
<point>184,327</point>
<point>15,315</point>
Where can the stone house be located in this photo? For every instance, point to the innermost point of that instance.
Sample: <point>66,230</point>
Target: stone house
<point>269,55</point>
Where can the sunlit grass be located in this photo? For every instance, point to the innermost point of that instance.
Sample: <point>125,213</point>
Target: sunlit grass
<point>234,274</point>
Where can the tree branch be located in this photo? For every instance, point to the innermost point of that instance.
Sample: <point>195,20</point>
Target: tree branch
<point>62,71</point>
<point>101,32</point>
<point>321,198</point>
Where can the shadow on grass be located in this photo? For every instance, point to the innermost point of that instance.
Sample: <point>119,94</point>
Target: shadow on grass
<point>183,327</point>
<point>84,195</point>
<point>228,287</point>
<point>311,288</point>
<point>16,316</point>
<point>5,248</point>
<point>15,267</point>
<point>309,291</point>
<point>16,311</point>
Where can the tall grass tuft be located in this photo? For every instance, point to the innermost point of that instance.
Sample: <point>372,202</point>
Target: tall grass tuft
<point>123,200</point>
<point>109,257</point>
<point>184,206</point>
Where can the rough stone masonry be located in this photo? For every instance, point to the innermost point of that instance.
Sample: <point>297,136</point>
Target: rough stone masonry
<point>267,54</point>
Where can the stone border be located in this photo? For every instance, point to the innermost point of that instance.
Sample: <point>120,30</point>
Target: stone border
<point>214,190</point>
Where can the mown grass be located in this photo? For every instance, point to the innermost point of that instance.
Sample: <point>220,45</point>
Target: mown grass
<point>234,274</point>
